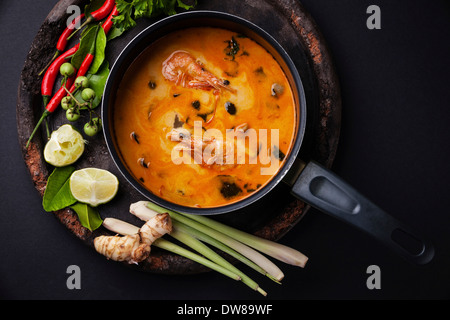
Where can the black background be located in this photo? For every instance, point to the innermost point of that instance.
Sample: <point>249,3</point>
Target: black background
<point>394,148</point>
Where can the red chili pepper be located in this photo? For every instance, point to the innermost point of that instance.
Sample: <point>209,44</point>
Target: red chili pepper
<point>98,14</point>
<point>85,65</point>
<point>52,72</point>
<point>64,39</point>
<point>52,105</point>
<point>108,23</point>
<point>61,93</point>
<point>104,10</point>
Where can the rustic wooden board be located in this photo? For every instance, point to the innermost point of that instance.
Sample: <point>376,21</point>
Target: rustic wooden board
<point>271,217</point>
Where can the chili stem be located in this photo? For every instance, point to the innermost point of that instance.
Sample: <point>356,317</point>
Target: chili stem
<point>44,115</point>
<point>57,53</point>
<point>86,22</point>
<point>47,129</point>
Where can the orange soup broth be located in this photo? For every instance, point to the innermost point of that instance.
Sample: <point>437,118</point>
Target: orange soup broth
<point>149,111</point>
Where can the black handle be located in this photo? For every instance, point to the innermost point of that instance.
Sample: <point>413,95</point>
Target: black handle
<point>327,192</point>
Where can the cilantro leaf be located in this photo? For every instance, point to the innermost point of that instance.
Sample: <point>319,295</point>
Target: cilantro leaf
<point>131,10</point>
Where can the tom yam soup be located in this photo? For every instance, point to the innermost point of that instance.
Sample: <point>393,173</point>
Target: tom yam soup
<point>204,117</point>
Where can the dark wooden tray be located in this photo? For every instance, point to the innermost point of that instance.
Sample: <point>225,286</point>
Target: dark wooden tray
<point>274,215</point>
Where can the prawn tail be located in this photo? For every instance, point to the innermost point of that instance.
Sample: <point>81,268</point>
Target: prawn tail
<point>218,84</point>
<point>222,85</point>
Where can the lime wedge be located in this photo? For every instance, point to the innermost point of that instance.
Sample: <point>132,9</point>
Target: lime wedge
<point>66,145</point>
<point>93,186</point>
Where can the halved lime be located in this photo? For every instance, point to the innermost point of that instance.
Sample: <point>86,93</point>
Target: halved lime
<point>93,186</point>
<point>66,145</point>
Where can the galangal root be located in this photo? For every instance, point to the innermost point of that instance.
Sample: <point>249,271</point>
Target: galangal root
<point>134,248</point>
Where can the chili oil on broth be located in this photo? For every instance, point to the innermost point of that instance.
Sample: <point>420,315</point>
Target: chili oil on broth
<point>148,108</point>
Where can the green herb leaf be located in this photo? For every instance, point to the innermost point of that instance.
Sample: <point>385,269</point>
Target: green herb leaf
<point>114,33</point>
<point>89,216</point>
<point>232,48</point>
<point>99,56</point>
<point>136,9</point>
<point>57,194</point>
<point>184,6</point>
<point>97,82</point>
<point>93,6</point>
<point>124,20</point>
<point>141,8</point>
<point>86,42</point>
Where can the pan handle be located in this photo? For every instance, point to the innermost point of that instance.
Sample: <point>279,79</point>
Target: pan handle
<point>327,192</point>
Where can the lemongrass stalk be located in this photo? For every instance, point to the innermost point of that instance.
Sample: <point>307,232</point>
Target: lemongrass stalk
<point>250,253</point>
<point>125,228</point>
<point>271,248</point>
<point>219,245</point>
<point>120,226</point>
<point>180,234</point>
<point>276,250</point>
<point>169,246</point>
<point>140,210</point>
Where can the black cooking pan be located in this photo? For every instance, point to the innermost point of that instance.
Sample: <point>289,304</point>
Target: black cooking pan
<point>310,182</point>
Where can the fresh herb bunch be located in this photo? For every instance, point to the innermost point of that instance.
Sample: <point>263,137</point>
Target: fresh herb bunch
<point>131,10</point>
